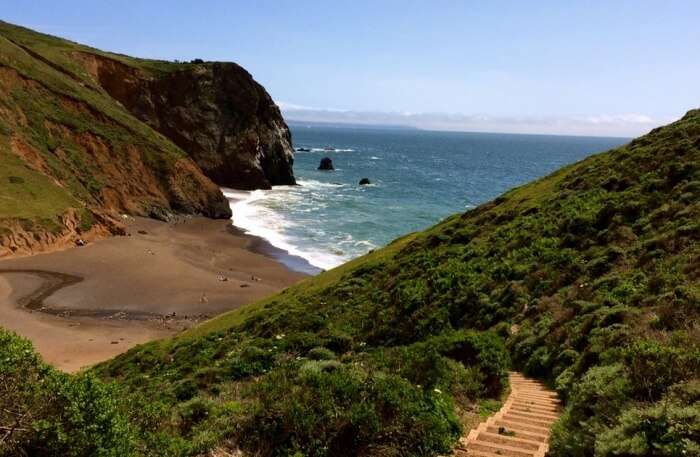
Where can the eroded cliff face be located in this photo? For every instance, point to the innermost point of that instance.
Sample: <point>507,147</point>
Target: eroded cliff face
<point>215,112</point>
<point>73,161</point>
<point>87,136</point>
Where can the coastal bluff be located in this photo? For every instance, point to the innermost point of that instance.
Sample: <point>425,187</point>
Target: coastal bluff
<point>215,111</point>
<point>88,137</point>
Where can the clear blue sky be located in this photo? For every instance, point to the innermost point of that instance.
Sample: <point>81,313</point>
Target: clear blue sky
<point>517,64</point>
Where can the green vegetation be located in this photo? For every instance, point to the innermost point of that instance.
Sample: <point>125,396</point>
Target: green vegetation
<point>45,412</point>
<point>587,278</point>
<point>25,193</point>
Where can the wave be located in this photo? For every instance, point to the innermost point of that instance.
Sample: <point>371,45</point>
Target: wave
<point>254,218</point>
<point>313,184</point>
<point>331,150</point>
<point>324,150</point>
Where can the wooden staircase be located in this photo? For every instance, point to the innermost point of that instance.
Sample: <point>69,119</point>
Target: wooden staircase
<point>521,427</point>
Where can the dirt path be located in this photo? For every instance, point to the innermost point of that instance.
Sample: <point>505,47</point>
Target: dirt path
<point>520,429</point>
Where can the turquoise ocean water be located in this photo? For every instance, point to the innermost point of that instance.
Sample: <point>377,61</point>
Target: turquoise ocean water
<point>418,178</point>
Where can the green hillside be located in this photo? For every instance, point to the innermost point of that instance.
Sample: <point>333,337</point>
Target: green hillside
<point>68,146</point>
<point>588,278</point>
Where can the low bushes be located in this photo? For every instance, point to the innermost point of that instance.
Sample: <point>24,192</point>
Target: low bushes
<point>661,430</point>
<point>346,411</point>
<point>47,413</point>
<point>645,404</point>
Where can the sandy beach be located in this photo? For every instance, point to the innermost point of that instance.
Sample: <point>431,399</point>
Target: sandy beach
<point>87,304</point>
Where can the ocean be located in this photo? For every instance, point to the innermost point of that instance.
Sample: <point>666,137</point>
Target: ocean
<point>417,178</point>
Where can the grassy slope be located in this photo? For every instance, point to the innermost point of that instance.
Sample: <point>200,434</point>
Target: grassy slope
<point>591,275</point>
<point>26,194</point>
<point>43,99</point>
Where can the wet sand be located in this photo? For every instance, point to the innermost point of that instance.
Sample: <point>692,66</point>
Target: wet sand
<point>87,304</point>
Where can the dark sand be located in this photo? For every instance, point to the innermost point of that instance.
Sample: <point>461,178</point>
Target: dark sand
<point>87,304</point>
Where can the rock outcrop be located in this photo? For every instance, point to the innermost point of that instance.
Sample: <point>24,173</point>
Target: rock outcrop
<point>326,164</point>
<point>365,182</point>
<point>216,112</point>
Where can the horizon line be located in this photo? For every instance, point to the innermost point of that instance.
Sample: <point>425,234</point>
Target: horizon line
<point>627,125</point>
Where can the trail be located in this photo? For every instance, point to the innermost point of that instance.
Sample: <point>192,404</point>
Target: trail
<point>522,426</point>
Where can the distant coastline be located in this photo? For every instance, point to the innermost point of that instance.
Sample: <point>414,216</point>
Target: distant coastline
<point>409,128</point>
<point>347,125</point>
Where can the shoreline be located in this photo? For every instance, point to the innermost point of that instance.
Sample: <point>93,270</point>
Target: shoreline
<point>87,304</point>
<point>260,245</point>
<point>268,240</point>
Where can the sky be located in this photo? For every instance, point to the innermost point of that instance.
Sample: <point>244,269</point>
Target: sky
<point>603,68</point>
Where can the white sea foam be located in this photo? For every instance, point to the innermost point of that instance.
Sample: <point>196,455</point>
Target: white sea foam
<point>331,150</point>
<point>252,213</point>
<point>313,184</point>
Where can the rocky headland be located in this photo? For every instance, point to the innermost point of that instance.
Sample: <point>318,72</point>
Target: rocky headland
<point>88,137</point>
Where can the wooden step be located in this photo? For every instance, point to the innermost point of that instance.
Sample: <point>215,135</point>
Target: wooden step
<point>518,433</point>
<point>534,414</point>
<point>534,392</point>
<point>473,453</point>
<point>527,421</point>
<point>500,449</point>
<point>512,441</point>
<point>522,426</point>
<point>534,405</point>
<point>534,398</point>
<point>534,409</point>
<point>527,383</point>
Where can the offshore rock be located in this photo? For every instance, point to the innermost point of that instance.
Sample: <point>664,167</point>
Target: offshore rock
<point>326,164</point>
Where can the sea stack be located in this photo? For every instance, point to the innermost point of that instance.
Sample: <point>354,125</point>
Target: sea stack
<point>365,182</point>
<point>326,164</point>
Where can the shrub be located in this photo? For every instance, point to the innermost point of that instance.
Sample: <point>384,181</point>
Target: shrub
<point>185,389</point>
<point>54,413</point>
<point>21,377</point>
<point>654,366</point>
<point>193,412</point>
<point>320,353</point>
<point>251,361</point>
<point>485,350</point>
<point>424,366</point>
<point>345,412</point>
<point>84,420</point>
<point>594,404</point>
<point>539,363</point>
<point>656,431</point>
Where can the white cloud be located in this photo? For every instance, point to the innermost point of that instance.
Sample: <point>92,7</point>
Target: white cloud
<point>291,107</point>
<point>625,125</point>
<point>620,118</point>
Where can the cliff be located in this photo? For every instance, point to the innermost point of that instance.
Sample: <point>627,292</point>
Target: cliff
<point>215,112</point>
<point>87,136</point>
